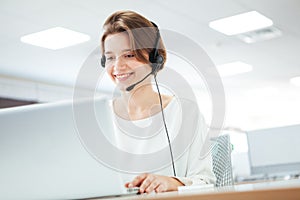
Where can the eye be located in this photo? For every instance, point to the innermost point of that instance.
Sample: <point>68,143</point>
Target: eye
<point>129,55</point>
<point>109,58</point>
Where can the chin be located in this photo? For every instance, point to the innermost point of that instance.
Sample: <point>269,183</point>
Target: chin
<point>122,87</point>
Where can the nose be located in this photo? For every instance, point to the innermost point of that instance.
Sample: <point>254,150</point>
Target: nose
<point>120,63</point>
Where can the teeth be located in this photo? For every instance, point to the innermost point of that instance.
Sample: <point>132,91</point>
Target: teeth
<point>122,75</point>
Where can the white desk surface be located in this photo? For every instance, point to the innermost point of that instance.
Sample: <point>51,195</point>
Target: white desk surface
<point>286,189</point>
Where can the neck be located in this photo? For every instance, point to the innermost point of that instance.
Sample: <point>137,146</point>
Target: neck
<point>140,98</point>
<point>140,103</point>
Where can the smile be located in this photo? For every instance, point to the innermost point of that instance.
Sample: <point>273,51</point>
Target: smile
<point>122,77</point>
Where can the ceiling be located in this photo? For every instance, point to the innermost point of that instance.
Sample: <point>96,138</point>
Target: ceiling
<point>261,98</point>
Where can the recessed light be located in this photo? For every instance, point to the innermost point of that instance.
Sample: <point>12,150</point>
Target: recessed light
<point>233,68</point>
<point>55,38</point>
<point>295,81</point>
<point>260,35</point>
<point>241,23</point>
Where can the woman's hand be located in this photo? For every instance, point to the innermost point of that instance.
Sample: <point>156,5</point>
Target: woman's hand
<point>152,182</point>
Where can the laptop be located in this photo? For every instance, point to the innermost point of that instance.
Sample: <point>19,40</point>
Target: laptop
<point>42,157</point>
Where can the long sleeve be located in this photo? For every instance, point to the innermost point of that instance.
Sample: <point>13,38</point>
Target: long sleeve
<point>199,167</point>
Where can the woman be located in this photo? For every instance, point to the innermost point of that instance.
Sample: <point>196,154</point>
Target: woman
<point>128,43</point>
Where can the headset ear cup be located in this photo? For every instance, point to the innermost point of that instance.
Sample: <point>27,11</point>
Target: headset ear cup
<point>160,60</point>
<point>152,56</point>
<point>156,60</point>
<point>103,60</point>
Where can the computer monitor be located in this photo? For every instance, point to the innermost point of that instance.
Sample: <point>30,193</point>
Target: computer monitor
<point>274,151</point>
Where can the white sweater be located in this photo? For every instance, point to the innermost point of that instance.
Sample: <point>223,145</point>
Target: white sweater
<point>146,146</point>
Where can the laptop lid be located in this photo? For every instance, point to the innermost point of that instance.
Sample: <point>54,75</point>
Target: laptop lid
<point>42,157</point>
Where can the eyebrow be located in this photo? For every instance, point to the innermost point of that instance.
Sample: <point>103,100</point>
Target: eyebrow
<point>124,50</point>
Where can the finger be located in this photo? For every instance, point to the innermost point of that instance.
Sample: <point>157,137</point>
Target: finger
<point>154,184</point>
<point>146,183</point>
<point>161,188</point>
<point>137,181</point>
<point>128,184</point>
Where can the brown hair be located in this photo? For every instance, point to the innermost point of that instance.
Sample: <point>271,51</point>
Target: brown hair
<point>142,33</point>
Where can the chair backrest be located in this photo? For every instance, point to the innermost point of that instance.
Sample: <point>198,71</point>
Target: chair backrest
<point>221,157</point>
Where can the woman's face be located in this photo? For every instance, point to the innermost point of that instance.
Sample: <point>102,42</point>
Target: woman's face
<point>121,64</point>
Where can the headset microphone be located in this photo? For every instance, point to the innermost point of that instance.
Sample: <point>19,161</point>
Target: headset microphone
<point>133,85</point>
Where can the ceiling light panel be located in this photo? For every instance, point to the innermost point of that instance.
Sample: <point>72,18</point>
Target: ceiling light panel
<point>241,23</point>
<point>55,38</point>
<point>233,68</point>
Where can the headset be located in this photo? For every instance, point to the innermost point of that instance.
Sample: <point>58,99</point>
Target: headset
<point>155,58</point>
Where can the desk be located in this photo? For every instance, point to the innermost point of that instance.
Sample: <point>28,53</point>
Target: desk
<point>281,190</point>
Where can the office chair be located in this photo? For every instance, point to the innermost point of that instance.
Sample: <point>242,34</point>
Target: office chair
<point>221,159</point>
